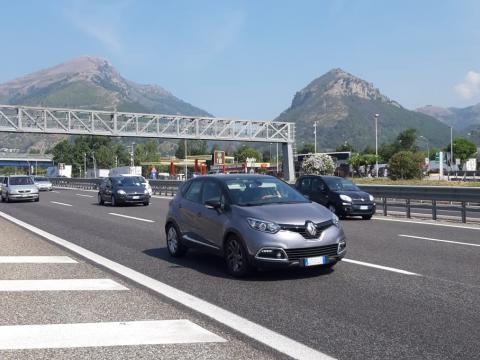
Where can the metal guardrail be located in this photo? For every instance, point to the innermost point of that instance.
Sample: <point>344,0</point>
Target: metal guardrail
<point>462,195</point>
<point>159,187</point>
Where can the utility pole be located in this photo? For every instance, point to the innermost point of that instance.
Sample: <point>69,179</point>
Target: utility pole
<point>85,165</point>
<point>185,158</point>
<point>277,157</point>
<point>132,156</point>
<point>451,148</point>
<point>376,143</point>
<point>315,136</point>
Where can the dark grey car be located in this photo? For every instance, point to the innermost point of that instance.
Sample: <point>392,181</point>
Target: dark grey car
<point>253,221</point>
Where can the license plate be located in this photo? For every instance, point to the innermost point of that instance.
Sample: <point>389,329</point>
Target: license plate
<point>363,207</point>
<point>318,260</point>
<point>136,197</point>
<point>25,195</point>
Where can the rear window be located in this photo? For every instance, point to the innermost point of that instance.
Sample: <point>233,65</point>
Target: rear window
<point>23,180</point>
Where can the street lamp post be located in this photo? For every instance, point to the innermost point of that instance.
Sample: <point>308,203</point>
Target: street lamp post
<point>376,143</point>
<point>315,136</point>
<point>451,148</point>
<point>85,165</point>
<point>277,157</point>
<point>185,158</point>
<point>132,156</point>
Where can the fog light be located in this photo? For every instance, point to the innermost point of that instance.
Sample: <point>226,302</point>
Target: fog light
<point>276,254</point>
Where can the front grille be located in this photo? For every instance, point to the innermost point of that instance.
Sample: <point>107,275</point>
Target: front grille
<point>360,202</point>
<point>327,250</point>
<point>301,229</point>
<point>23,191</point>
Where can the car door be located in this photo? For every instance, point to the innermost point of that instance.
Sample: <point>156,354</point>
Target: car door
<point>190,211</point>
<point>107,190</point>
<point>212,221</point>
<point>319,191</point>
<point>304,185</point>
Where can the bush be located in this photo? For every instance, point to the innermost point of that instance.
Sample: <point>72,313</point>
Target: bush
<point>318,164</point>
<point>406,165</point>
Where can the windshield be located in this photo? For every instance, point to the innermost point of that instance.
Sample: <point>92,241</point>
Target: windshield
<point>40,178</point>
<point>130,181</point>
<point>262,191</point>
<point>23,180</point>
<point>336,184</point>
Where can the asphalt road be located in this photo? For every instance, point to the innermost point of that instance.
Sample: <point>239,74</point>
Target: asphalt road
<point>355,311</point>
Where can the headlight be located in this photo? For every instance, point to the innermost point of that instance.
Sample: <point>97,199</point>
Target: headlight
<point>335,219</point>
<point>264,226</point>
<point>121,192</point>
<point>345,198</point>
<point>371,198</point>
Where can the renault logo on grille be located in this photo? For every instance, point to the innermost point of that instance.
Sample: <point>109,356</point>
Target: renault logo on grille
<point>310,228</point>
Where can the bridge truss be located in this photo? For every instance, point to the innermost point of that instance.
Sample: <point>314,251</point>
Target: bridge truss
<point>46,120</point>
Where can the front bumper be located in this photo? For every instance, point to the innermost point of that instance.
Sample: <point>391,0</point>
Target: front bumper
<point>20,197</point>
<point>274,264</point>
<point>45,187</point>
<point>357,210</point>
<point>133,199</point>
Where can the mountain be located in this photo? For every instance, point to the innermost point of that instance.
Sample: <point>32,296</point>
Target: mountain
<point>87,83</point>
<point>462,119</point>
<point>344,107</point>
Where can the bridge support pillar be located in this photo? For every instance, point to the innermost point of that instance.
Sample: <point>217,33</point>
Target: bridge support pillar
<point>288,165</point>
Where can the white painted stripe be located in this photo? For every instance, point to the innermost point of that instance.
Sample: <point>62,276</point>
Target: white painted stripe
<point>132,217</point>
<point>439,240</point>
<point>54,336</point>
<point>89,196</point>
<point>36,260</point>
<point>400,271</point>
<point>59,203</point>
<point>257,332</point>
<point>60,285</point>
<point>427,223</point>
<point>54,191</point>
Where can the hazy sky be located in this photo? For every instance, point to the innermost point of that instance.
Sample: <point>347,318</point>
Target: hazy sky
<point>246,59</point>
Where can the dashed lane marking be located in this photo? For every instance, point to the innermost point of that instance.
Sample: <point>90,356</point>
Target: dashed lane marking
<point>36,260</point>
<point>50,336</point>
<point>83,195</point>
<point>438,240</point>
<point>132,217</point>
<point>60,285</point>
<point>60,203</point>
<point>400,271</point>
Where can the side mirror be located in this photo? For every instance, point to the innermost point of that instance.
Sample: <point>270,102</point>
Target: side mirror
<point>213,204</point>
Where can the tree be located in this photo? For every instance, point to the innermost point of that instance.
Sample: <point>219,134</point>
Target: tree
<point>307,149</point>
<point>345,147</point>
<point>194,147</point>
<point>406,165</point>
<point>318,164</point>
<point>406,140</point>
<point>462,149</point>
<point>245,152</point>
<point>368,150</point>
<point>370,161</point>
<point>356,161</point>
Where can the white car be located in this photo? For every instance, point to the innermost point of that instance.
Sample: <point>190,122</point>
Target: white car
<point>141,180</point>
<point>42,183</point>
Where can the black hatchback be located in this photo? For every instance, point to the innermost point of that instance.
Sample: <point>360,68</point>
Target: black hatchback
<point>123,190</point>
<point>339,195</point>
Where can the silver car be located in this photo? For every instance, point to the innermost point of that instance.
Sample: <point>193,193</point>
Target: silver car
<point>42,183</point>
<point>19,188</point>
<point>253,221</point>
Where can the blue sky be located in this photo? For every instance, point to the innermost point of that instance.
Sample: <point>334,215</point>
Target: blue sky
<point>246,59</point>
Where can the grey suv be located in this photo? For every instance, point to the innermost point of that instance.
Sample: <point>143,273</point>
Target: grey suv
<point>252,221</point>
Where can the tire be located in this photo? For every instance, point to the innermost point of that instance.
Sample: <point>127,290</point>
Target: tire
<point>100,200</point>
<point>37,199</point>
<point>113,201</point>
<point>7,198</point>
<point>236,257</point>
<point>366,217</point>
<point>174,245</point>
<point>146,203</point>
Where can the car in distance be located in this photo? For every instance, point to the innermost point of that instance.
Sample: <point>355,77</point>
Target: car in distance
<point>16,188</point>
<point>42,183</point>
<point>339,195</point>
<point>252,221</point>
<point>118,190</point>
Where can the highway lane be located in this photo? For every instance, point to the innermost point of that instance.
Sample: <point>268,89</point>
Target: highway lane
<point>352,312</point>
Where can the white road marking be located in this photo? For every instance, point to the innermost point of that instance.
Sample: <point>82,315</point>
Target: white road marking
<point>54,191</point>
<point>400,271</point>
<point>59,203</point>
<point>255,331</point>
<point>54,336</point>
<point>439,240</point>
<point>427,223</point>
<point>36,260</point>
<point>60,285</point>
<point>132,217</point>
<point>89,196</point>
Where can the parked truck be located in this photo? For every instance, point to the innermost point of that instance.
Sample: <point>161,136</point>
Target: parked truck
<point>61,170</point>
<point>126,170</point>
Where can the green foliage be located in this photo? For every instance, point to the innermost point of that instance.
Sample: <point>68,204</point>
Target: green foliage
<point>307,149</point>
<point>147,152</point>
<point>245,152</point>
<point>345,147</point>
<point>318,164</point>
<point>406,140</point>
<point>368,150</point>
<point>194,147</point>
<point>462,149</point>
<point>356,161</point>
<point>406,165</point>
